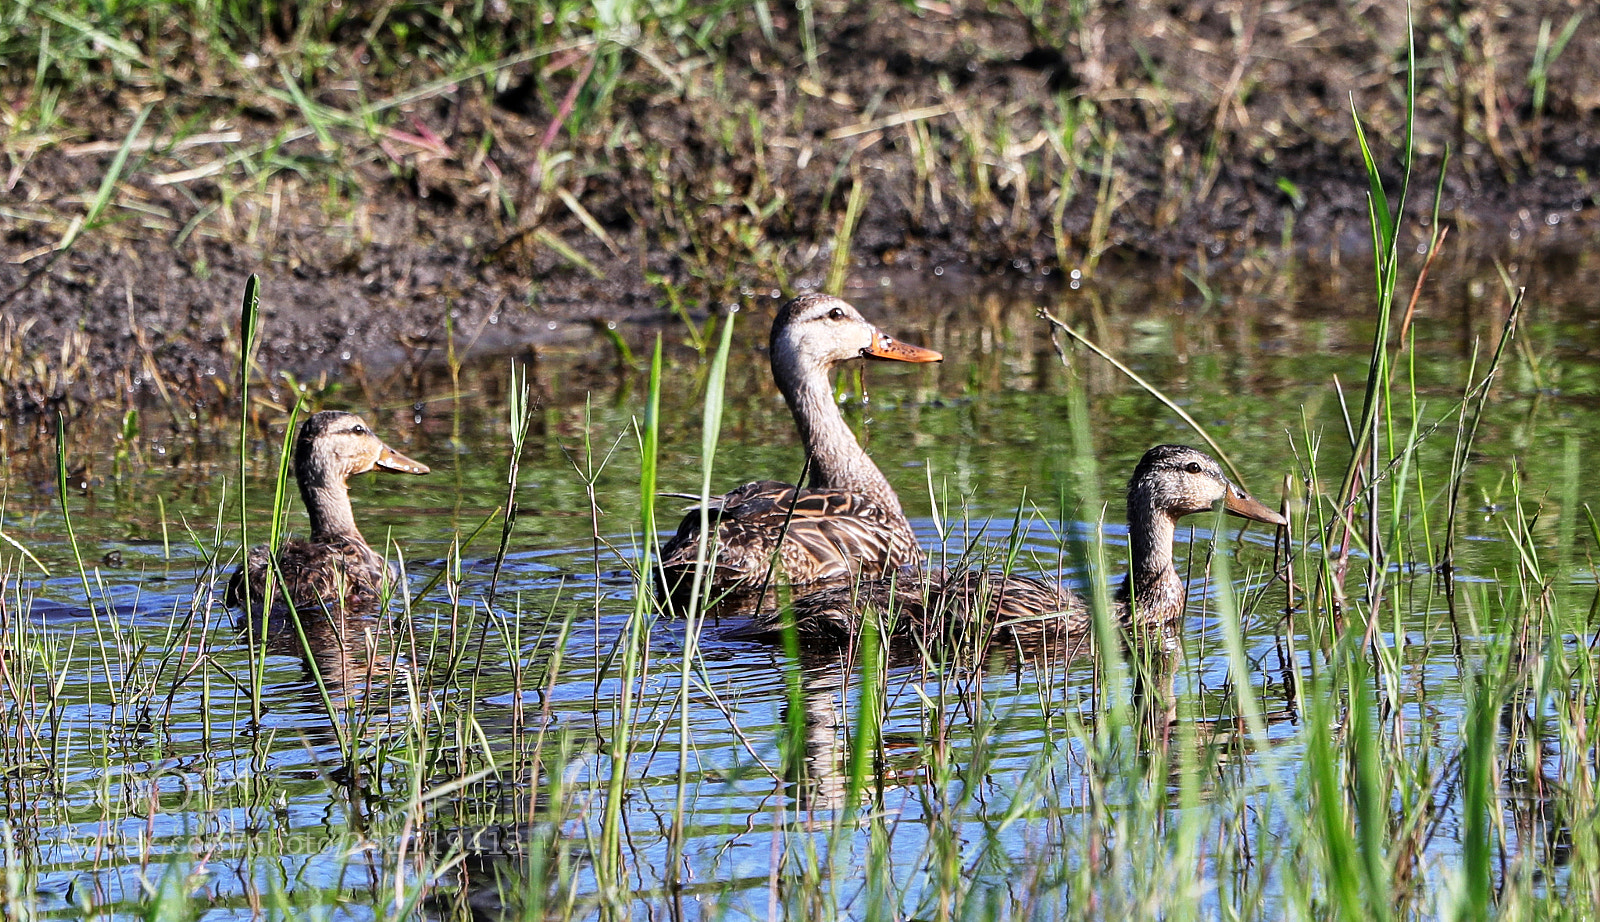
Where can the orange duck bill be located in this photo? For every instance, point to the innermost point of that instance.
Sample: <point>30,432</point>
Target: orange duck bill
<point>885,346</point>
<point>1243,505</point>
<point>391,460</point>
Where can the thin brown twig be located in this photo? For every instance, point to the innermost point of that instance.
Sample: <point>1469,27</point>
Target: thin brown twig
<point>568,103</point>
<point>1416,290</point>
<point>1149,388</point>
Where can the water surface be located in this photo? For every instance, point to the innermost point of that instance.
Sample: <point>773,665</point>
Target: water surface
<point>133,751</point>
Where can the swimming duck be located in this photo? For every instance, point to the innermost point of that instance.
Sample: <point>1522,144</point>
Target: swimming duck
<point>334,566</point>
<point>847,521</point>
<point>1170,481</point>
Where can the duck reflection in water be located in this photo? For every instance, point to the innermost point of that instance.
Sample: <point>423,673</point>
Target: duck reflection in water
<point>832,762</point>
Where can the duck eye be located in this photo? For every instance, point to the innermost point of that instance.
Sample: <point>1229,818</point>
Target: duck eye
<point>836,314</point>
<point>358,430</point>
<point>1192,467</point>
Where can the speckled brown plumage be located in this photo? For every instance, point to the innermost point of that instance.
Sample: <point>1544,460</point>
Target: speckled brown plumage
<point>1171,481</point>
<point>334,566</point>
<point>847,522</point>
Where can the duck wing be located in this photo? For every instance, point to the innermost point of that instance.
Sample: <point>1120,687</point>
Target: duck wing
<point>819,534</point>
<point>981,603</point>
<point>251,581</point>
<point>341,572</point>
<point>1013,605</point>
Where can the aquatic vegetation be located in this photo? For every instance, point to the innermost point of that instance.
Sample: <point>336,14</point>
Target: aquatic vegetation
<point>1397,723</point>
<point>562,752</point>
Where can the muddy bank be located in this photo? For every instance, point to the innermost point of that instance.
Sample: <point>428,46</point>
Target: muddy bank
<point>396,194</point>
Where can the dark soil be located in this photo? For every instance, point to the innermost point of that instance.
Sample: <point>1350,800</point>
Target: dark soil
<point>983,142</point>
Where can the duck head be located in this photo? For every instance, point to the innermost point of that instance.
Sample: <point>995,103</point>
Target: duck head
<point>1178,480</point>
<point>334,445</point>
<point>819,331</point>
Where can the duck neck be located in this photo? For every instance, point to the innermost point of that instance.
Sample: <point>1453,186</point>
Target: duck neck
<point>837,460</point>
<point>1153,585</point>
<point>328,505</point>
